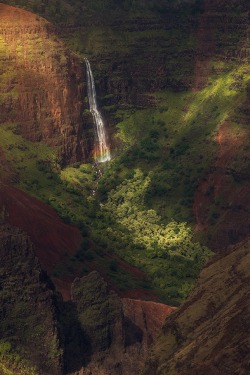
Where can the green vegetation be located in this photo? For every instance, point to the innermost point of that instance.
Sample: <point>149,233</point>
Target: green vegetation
<point>168,88</point>
<point>123,224</point>
<point>141,205</point>
<point>78,11</point>
<point>11,362</point>
<point>37,170</point>
<point>166,252</point>
<point>26,310</point>
<point>126,205</point>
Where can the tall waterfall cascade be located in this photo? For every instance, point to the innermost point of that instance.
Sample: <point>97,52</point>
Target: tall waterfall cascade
<point>102,150</point>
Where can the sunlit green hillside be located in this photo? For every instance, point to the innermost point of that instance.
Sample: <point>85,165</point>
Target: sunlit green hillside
<point>163,130</point>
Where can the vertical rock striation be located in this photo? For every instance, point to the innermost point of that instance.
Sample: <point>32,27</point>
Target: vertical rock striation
<point>42,85</point>
<point>29,335</point>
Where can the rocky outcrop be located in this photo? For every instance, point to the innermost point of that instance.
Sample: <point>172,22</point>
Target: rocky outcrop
<point>100,316</point>
<point>104,335</point>
<point>52,238</point>
<point>42,85</point>
<point>168,51</point>
<point>96,333</point>
<point>29,335</point>
<point>143,321</point>
<point>209,334</point>
<point>147,316</point>
<point>116,333</point>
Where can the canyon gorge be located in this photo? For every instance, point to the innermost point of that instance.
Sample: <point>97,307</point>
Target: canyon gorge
<point>124,187</point>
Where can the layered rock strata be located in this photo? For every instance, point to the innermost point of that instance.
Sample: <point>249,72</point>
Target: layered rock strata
<point>42,85</point>
<point>209,334</point>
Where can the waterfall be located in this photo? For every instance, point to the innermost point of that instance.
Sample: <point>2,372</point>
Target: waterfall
<point>101,151</point>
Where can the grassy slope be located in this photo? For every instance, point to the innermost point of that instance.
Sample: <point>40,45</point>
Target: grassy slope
<point>69,191</point>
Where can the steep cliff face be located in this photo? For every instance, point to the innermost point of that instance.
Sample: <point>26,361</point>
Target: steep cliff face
<point>209,334</point>
<point>221,203</point>
<point>115,333</point>
<point>29,336</point>
<point>143,321</point>
<point>52,238</point>
<point>96,332</point>
<point>144,58</point>
<point>42,85</point>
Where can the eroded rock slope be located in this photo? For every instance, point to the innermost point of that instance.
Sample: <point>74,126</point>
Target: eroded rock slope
<point>116,333</point>
<point>210,333</point>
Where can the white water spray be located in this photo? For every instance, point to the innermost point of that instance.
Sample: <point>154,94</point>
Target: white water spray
<point>102,151</point>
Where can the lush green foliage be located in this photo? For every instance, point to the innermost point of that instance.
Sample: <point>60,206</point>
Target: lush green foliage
<point>138,235</point>
<point>11,362</point>
<point>126,205</point>
<point>143,206</point>
<point>177,142</point>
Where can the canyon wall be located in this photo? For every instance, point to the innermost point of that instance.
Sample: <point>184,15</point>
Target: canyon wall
<point>52,238</point>
<point>43,85</point>
<point>221,202</point>
<point>134,57</point>
<point>186,49</point>
<point>116,333</point>
<point>29,334</point>
<point>96,332</point>
<point>209,333</point>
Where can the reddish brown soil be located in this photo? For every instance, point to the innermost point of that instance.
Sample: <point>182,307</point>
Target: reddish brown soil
<point>148,316</point>
<point>63,285</point>
<point>139,294</point>
<point>230,215</point>
<point>51,237</point>
<point>48,82</point>
<point>12,14</point>
<point>209,333</point>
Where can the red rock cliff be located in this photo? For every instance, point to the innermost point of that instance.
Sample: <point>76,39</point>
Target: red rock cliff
<point>42,84</point>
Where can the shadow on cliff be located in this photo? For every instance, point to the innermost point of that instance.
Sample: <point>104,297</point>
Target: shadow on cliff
<point>133,334</point>
<point>78,348</point>
<point>77,344</point>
